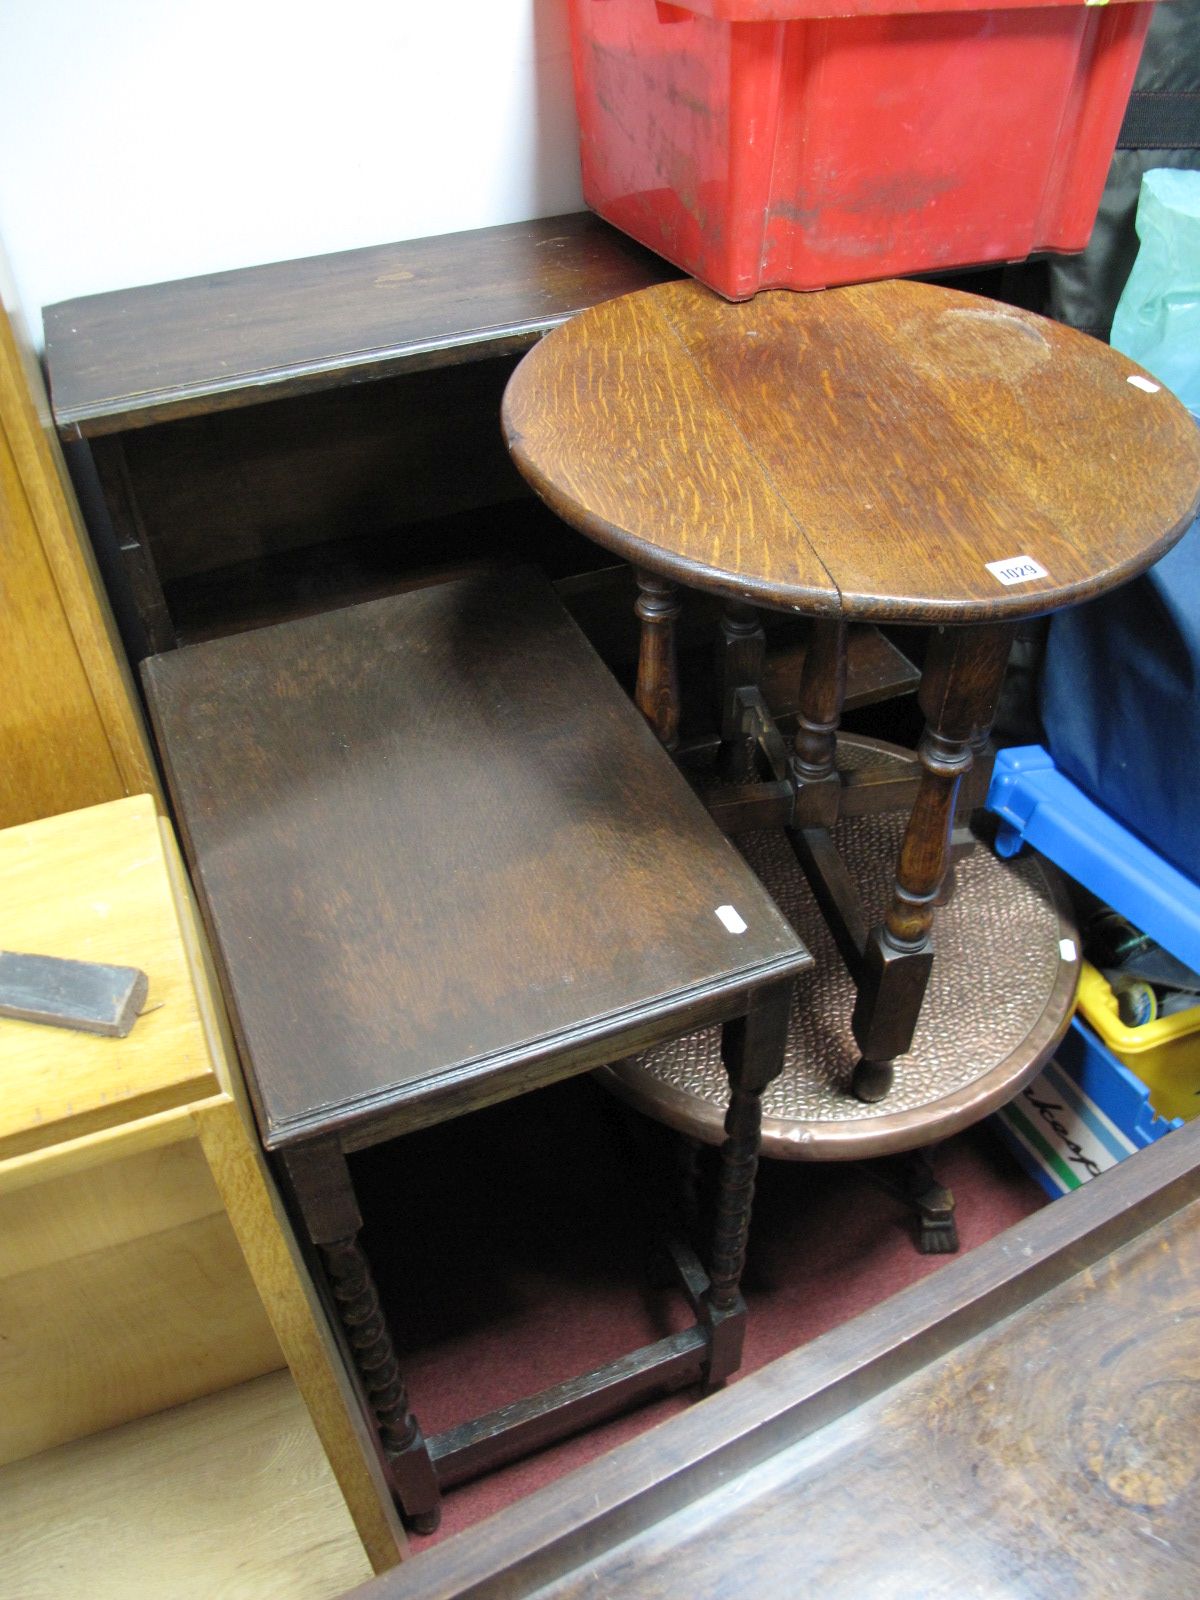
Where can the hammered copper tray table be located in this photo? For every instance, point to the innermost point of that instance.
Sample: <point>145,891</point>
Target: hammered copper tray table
<point>1000,997</point>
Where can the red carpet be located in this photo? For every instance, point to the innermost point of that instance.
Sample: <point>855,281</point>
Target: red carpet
<point>511,1254</point>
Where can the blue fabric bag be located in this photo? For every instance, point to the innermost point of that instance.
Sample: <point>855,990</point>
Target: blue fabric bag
<point>1119,685</point>
<point>1121,706</point>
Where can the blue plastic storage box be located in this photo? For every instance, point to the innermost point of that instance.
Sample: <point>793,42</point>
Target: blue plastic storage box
<point>1038,805</point>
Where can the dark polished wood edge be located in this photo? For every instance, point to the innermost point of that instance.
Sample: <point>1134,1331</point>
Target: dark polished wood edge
<point>692,574</point>
<point>890,1133</point>
<point>424,1101</point>
<point>929,610</point>
<point>1008,606</point>
<point>274,383</point>
<point>592,1510</point>
<point>253,385</point>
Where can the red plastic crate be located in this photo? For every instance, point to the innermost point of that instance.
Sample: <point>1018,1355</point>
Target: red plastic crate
<point>767,144</point>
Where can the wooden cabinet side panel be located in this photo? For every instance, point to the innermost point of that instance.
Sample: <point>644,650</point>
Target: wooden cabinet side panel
<point>123,1292</point>
<point>56,756</point>
<point>72,733</point>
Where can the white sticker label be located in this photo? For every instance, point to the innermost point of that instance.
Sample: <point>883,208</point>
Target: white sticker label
<point>1144,384</point>
<point>1067,950</point>
<point>1017,569</point>
<point>730,918</point>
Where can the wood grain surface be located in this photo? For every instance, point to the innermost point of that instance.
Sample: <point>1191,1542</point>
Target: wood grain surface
<point>224,1130</point>
<point>436,841</point>
<point>200,345</point>
<point>1052,1457</point>
<point>1021,1424</point>
<point>93,887</point>
<point>70,726</point>
<point>122,1288</point>
<point>864,451</point>
<point>228,1498</point>
<point>125,1247</point>
<point>112,1328</point>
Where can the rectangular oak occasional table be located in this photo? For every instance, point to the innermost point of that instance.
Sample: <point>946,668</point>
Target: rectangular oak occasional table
<point>444,861</point>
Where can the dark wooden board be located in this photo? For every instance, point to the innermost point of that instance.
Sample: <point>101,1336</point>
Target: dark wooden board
<point>339,572</point>
<point>1021,1423</point>
<point>137,356</point>
<point>89,996</point>
<point>869,452</point>
<point>435,842</point>
<point>213,491</point>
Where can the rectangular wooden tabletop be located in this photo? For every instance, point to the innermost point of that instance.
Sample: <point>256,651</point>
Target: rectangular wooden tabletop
<point>93,885</point>
<point>437,844</point>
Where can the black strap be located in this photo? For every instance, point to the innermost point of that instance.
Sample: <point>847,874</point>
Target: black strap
<point>1161,120</point>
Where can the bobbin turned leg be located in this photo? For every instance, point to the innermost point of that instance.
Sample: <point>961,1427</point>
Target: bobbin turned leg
<point>752,1050</point>
<point>958,694</point>
<point>657,693</point>
<point>741,655</point>
<point>971,796</point>
<point>319,1180</point>
<point>822,692</point>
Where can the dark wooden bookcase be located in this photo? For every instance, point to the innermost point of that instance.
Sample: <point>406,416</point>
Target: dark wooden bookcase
<point>257,444</point>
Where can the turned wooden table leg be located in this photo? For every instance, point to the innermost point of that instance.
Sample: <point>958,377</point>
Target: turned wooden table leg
<point>741,656</point>
<point>657,694</point>
<point>752,1049</point>
<point>958,694</point>
<point>320,1183</point>
<point>822,693</point>
<point>971,795</point>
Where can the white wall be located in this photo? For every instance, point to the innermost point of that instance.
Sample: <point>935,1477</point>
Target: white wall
<point>142,140</point>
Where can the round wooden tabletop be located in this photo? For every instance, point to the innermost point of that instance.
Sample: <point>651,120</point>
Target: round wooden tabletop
<point>885,451</point>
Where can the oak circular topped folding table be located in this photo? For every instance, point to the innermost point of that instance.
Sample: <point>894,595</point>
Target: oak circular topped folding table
<point>888,452</point>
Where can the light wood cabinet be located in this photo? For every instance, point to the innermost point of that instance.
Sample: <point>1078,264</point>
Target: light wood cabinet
<point>145,1259</point>
<point>71,731</point>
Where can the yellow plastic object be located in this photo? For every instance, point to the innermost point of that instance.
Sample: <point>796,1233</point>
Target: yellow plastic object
<point>1165,1054</point>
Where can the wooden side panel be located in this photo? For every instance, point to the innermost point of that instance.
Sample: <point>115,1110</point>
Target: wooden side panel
<point>122,1292</point>
<point>128,1197</point>
<point>71,733</point>
<point>273,1256</point>
<point>228,1496</point>
<point>370,459</point>
<point>225,1128</point>
<point>56,754</point>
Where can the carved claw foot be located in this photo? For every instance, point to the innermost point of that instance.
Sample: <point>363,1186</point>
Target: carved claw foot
<point>937,1231</point>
